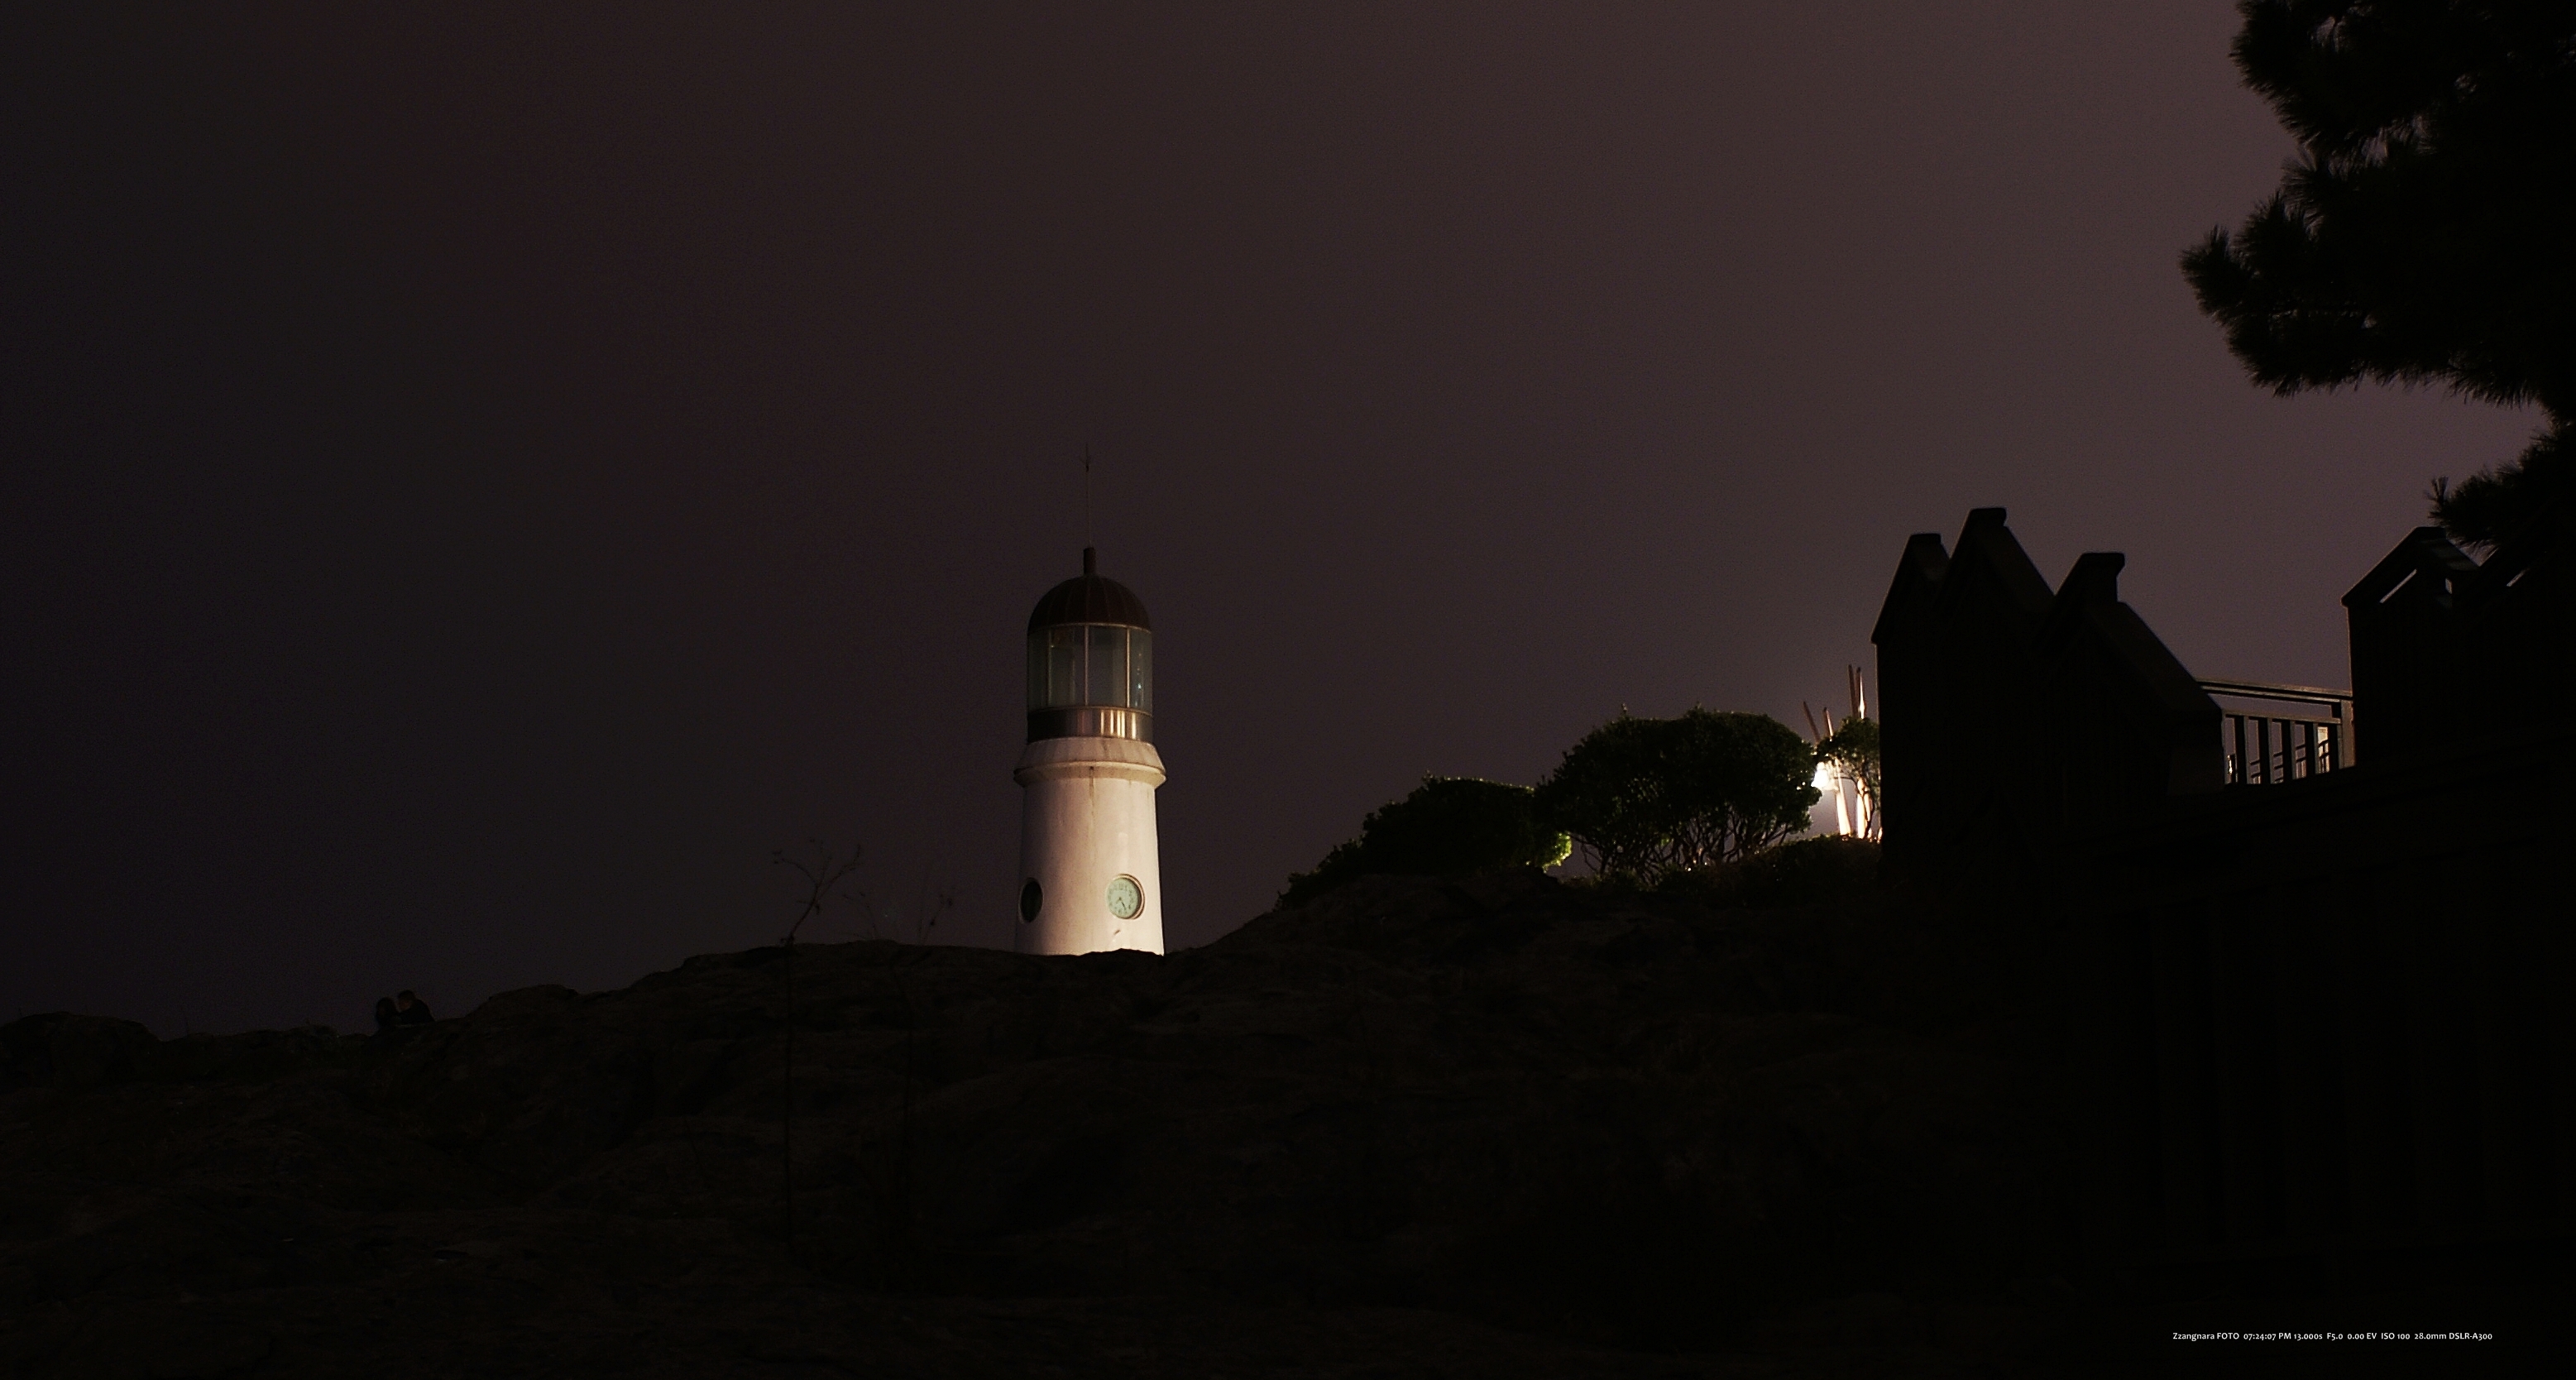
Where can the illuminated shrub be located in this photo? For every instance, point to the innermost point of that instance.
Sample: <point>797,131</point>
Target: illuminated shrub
<point>1853,752</point>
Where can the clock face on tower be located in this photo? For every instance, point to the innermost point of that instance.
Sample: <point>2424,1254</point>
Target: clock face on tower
<point>1126,898</point>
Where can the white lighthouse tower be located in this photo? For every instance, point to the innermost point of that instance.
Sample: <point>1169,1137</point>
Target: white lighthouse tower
<point>1091,876</point>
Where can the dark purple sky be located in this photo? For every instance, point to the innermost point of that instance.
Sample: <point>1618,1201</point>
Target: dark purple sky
<point>473,487</point>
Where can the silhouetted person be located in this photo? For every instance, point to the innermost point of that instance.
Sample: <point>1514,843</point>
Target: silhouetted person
<point>400,1009</point>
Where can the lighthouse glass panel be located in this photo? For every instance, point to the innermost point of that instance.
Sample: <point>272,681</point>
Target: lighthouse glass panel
<point>1108,666</point>
<point>1091,664</point>
<point>1055,667</point>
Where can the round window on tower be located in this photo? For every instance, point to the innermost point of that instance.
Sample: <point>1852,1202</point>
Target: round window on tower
<point>1031,897</point>
<point>1126,898</point>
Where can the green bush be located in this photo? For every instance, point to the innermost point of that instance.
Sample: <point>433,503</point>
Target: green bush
<point>1448,826</point>
<point>1647,799</point>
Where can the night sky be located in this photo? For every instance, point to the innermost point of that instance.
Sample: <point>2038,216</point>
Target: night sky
<point>474,485</point>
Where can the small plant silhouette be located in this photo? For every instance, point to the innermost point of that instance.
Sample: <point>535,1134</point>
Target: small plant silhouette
<point>826,872</point>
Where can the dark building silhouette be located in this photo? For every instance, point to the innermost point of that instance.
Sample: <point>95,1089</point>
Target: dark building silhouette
<point>2012,714</point>
<point>2447,651</point>
<point>2315,955</point>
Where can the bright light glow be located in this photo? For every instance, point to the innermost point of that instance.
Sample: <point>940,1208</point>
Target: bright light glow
<point>1839,787</point>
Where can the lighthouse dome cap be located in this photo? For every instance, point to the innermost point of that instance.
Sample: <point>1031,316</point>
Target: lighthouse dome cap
<point>1089,597</point>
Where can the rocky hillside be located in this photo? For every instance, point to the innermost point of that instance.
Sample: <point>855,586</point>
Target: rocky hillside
<point>1497,1128</point>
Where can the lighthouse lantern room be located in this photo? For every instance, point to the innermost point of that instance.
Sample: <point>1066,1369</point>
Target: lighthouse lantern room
<point>1090,870</point>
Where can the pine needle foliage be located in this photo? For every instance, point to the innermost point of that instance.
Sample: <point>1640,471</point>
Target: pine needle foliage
<point>2422,234</point>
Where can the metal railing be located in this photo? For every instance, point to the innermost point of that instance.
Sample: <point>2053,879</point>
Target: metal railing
<point>2311,734</point>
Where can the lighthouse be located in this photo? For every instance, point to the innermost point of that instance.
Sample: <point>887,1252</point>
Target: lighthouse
<point>1091,875</point>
